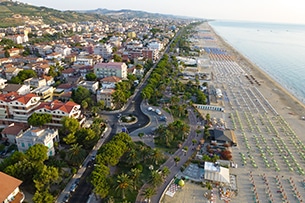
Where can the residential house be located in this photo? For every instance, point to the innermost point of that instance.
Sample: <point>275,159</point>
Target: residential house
<point>105,50</point>
<point>54,56</point>
<point>2,83</point>
<point>84,60</point>
<point>90,85</point>
<point>35,82</point>
<point>44,92</point>
<point>49,80</point>
<point>64,50</point>
<point>35,135</point>
<point>9,188</point>
<point>106,96</point>
<point>10,132</point>
<point>59,110</point>
<point>19,89</point>
<point>18,39</point>
<point>69,72</point>
<point>17,108</point>
<point>11,72</point>
<point>109,82</point>
<point>42,69</point>
<point>103,70</point>
<point>84,70</point>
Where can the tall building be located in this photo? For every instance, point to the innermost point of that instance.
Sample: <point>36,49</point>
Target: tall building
<point>102,70</point>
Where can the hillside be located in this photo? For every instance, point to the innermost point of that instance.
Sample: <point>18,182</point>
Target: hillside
<point>126,13</point>
<point>16,13</point>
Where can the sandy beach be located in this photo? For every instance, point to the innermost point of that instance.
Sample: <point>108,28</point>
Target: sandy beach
<point>267,122</point>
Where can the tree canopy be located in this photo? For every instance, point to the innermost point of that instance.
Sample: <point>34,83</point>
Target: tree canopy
<point>39,119</point>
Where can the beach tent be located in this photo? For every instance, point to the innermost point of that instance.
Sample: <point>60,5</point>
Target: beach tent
<point>216,173</point>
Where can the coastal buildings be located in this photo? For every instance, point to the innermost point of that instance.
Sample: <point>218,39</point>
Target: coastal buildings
<point>9,189</point>
<point>35,135</point>
<point>117,69</point>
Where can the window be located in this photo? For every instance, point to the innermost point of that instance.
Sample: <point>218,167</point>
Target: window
<point>22,144</point>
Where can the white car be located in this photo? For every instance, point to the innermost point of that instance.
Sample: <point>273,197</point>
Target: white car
<point>150,108</point>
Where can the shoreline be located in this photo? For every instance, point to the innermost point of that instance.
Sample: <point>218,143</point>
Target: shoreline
<point>270,85</point>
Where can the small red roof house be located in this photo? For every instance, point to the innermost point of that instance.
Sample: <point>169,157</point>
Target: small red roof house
<point>11,132</point>
<point>9,189</point>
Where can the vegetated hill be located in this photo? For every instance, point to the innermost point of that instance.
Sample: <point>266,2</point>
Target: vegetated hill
<point>126,13</point>
<point>17,13</point>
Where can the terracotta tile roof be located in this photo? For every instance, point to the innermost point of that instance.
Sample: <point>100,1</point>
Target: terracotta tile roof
<point>8,185</point>
<point>8,97</point>
<point>10,70</point>
<point>58,105</point>
<point>47,78</point>
<point>65,86</point>
<point>67,71</point>
<point>12,130</point>
<point>111,79</point>
<point>26,98</point>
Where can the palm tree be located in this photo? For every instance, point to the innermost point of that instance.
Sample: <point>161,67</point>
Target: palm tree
<point>165,171</point>
<point>135,175</point>
<point>148,193</point>
<point>76,154</point>
<point>124,183</point>
<point>156,178</point>
<point>177,159</point>
<point>157,156</point>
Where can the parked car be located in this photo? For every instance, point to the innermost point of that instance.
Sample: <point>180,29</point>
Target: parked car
<point>66,198</point>
<point>73,187</point>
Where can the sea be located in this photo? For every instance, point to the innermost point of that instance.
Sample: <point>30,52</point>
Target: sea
<point>278,49</point>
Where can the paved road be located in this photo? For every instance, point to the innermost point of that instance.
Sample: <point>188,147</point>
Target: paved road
<point>170,163</point>
<point>133,106</point>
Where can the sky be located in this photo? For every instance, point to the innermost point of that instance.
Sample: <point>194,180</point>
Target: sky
<point>280,11</point>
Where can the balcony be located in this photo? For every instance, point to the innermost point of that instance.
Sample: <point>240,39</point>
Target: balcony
<point>18,198</point>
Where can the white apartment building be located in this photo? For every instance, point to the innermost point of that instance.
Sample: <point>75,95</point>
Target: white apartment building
<point>35,135</point>
<point>17,107</point>
<point>84,60</point>
<point>59,110</point>
<point>103,70</point>
<point>104,50</point>
<point>106,96</point>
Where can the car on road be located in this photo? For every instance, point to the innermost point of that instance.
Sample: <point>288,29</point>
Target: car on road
<point>158,112</point>
<point>66,198</point>
<point>73,187</point>
<point>77,181</point>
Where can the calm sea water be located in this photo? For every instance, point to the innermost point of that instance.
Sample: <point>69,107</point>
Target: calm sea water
<point>278,49</point>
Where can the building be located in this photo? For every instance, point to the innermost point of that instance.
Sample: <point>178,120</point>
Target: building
<point>9,189</point>
<point>35,82</point>
<point>106,96</point>
<point>59,110</point>
<point>11,72</point>
<point>19,89</point>
<point>16,107</point>
<point>44,92</point>
<point>103,70</point>
<point>90,85</point>
<point>104,50</point>
<point>10,133</point>
<point>216,173</point>
<point>35,135</point>
<point>109,82</point>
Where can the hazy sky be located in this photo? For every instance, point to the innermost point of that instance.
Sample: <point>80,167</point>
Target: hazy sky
<point>291,11</point>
